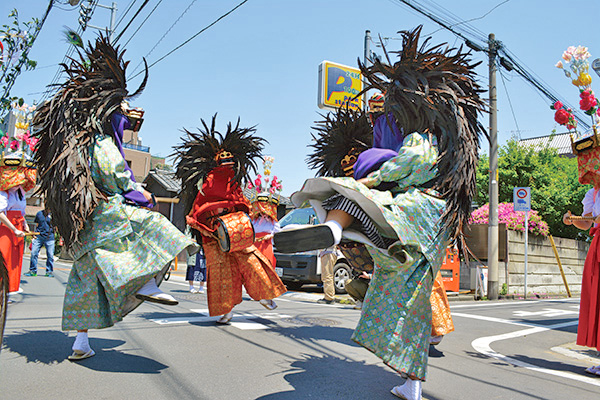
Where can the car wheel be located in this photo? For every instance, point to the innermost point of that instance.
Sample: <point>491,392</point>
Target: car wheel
<point>341,273</point>
<point>292,285</point>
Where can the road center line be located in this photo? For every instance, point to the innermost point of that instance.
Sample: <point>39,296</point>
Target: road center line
<point>483,346</point>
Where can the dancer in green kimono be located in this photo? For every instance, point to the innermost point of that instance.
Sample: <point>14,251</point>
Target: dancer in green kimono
<point>409,196</point>
<point>120,248</point>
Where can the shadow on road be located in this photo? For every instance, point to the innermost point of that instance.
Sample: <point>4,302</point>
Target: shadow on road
<point>51,347</point>
<point>336,379</point>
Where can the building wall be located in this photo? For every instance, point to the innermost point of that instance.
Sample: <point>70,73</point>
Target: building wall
<point>543,272</point>
<point>139,162</point>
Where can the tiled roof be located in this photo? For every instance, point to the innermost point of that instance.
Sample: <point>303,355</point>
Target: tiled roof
<point>166,179</point>
<point>560,142</point>
<point>169,181</point>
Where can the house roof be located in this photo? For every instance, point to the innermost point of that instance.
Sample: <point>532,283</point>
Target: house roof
<point>560,142</point>
<point>171,183</point>
<point>166,179</point>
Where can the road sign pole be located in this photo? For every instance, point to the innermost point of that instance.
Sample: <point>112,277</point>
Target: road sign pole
<point>526,245</point>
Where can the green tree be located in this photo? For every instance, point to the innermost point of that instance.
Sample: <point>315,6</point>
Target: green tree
<point>552,178</point>
<point>16,40</point>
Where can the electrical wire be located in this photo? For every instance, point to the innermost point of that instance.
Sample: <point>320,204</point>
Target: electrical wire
<point>51,87</point>
<point>499,48</point>
<point>164,35</point>
<point>512,110</point>
<point>38,28</point>
<point>143,22</point>
<point>129,7</point>
<point>194,36</point>
<point>131,21</point>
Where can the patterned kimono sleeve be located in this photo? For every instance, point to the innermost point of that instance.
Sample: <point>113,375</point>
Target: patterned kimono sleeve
<point>412,164</point>
<point>110,172</point>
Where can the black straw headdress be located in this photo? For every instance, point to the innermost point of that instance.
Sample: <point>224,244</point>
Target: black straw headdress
<point>339,137</point>
<point>66,126</point>
<point>433,90</point>
<point>205,150</point>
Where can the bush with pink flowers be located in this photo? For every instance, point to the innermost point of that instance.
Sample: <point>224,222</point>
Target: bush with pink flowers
<point>514,220</point>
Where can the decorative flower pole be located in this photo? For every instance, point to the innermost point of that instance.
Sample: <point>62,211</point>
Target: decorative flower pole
<point>578,71</point>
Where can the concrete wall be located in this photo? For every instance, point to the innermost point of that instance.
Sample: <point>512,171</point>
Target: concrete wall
<point>543,272</point>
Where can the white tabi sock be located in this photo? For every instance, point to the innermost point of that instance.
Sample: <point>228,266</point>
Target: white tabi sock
<point>336,229</point>
<point>82,342</point>
<point>149,288</point>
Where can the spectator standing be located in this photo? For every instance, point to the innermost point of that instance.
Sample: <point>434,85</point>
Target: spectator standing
<point>196,271</point>
<point>328,258</point>
<point>43,220</point>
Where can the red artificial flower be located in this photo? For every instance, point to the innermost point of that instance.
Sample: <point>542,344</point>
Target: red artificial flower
<point>561,116</point>
<point>587,102</point>
<point>14,145</point>
<point>558,105</point>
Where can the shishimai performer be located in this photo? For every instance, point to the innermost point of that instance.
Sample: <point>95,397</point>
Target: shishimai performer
<point>424,202</point>
<point>213,167</point>
<point>120,248</point>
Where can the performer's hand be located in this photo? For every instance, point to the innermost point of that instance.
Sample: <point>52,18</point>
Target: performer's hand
<point>19,233</point>
<point>567,218</point>
<point>147,196</point>
<point>365,181</point>
<point>364,275</point>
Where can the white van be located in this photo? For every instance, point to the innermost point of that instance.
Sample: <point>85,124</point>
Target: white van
<point>299,268</point>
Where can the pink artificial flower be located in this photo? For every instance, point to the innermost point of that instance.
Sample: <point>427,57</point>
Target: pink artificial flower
<point>19,135</point>
<point>14,145</point>
<point>4,141</point>
<point>559,65</point>
<point>257,182</point>
<point>250,185</point>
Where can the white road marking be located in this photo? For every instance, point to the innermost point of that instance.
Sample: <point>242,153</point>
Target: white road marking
<point>483,346</point>
<point>240,320</point>
<point>491,319</point>
<point>547,312</point>
<point>509,303</point>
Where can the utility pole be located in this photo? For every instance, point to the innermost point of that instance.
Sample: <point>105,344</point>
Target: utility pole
<point>492,292</point>
<point>366,57</point>
<point>86,16</point>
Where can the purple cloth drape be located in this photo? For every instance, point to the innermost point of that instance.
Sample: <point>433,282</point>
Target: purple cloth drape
<point>119,123</point>
<point>386,134</point>
<point>387,140</point>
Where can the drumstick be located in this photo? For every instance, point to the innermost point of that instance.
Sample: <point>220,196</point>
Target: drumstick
<point>578,218</point>
<point>31,233</point>
<point>174,200</point>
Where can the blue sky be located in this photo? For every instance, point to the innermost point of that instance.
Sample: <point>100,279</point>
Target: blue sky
<point>261,62</point>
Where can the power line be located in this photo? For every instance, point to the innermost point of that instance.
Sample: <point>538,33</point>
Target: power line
<point>143,22</point>
<point>194,36</point>
<point>70,50</point>
<point>512,110</point>
<point>131,3</point>
<point>500,48</point>
<point>131,21</point>
<point>164,35</point>
<point>38,28</point>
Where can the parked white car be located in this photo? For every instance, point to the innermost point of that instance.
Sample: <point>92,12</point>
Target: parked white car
<point>299,268</point>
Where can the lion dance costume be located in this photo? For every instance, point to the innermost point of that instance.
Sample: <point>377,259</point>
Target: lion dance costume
<point>410,202</point>
<point>213,167</point>
<point>120,248</point>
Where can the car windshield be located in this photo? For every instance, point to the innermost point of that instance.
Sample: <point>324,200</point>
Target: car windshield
<point>301,216</point>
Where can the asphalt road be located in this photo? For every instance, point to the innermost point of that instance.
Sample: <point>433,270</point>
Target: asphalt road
<point>301,350</point>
